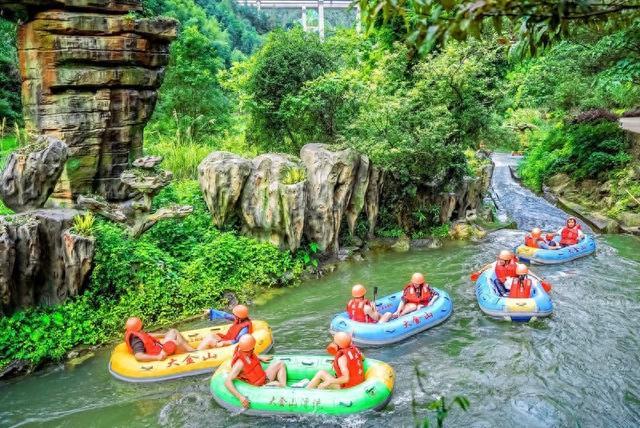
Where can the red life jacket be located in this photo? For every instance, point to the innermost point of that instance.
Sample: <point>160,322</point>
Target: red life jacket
<point>530,241</point>
<point>504,272</point>
<point>152,346</point>
<point>252,372</point>
<point>236,328</point>
<point>411,296</point>
<point>354,365</point>
<point>569,236</point>
<point>520,289</point>
<point>355,309</point>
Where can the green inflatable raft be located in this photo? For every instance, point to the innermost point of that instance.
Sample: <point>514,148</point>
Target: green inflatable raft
<point>373,394</point>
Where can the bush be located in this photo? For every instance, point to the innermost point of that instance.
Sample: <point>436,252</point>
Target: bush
<point>171,273</point>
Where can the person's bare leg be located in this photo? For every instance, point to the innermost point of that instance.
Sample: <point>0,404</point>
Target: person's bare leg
<point>277,374</point>
<point>409,307</point>
<point>209,341</point>
<point>321,376</point>
<point>385,317</point>
<point>181,343</point>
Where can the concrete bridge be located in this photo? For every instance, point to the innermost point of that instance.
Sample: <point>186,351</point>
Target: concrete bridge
<point>304,5</point>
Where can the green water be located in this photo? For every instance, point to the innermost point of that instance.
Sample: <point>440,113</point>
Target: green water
<point>581,367</point>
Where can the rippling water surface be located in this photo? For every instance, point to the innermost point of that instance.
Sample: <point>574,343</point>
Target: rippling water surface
<point>578,368</point>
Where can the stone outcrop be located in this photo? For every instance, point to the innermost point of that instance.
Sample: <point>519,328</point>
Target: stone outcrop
<point>146,179</point>
<point>464,203</point>
<point>272,206</point>
<point>281,198</point>
<point>90,72</point>
<point>330,183</point>
<point>30,176</point>
<point>42,262</point>
<point>222,176</point>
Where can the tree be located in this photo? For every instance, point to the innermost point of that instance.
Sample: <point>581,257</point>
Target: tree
<point>10,103</point>
<point>535,23</point>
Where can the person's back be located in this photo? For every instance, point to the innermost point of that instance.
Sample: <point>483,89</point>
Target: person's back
<point>355,365</point>
<point>521,284</point>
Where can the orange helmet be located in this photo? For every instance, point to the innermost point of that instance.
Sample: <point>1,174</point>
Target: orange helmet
<point>246,343</point>
<point>536,232</point>
<point>550,236</point>
<point>134,324</point>
<point>505,255</point>
<point>358,290</point>
<point>241,311</point>
<point>342,339</point>
<point>522,269</point>
<point>417,278</point>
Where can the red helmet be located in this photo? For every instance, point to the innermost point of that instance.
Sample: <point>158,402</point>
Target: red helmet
<point>134,324</point>
<point>246,343</point>
<point>550,236</point>
<point>358,290</point>
<point>342,339</point>
<point>241,311</point>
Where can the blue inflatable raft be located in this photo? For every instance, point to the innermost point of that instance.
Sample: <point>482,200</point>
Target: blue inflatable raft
<point>436,312</point>
<point>547,257</point>
<point>537,306</point>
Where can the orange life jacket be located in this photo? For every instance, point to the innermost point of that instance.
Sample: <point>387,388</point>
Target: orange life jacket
<point>504,272</point>
<point>410,295</point>
<point>236,328</point>
<point>152,346</point>
<point>520,289</point>
<point>569,235</point>
<point>355,309</point>
<point>354,365</point>
<point>252,372</point>
<point>530,241</point>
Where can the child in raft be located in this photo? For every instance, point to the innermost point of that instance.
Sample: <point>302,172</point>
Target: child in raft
<point>245,366</point>
<point>347,364</point>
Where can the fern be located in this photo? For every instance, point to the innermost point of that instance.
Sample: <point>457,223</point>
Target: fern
<point>83,224</point>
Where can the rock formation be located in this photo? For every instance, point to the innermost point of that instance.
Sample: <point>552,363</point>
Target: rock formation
<point>280,198</point>
<point>222,176</point>
<point>147,180</point>
<point>464,203</point>
<point>274,199</point>
<point>42,262</point>
<point>330,182</point>
<point>90,72</point>
<point>30,176</point>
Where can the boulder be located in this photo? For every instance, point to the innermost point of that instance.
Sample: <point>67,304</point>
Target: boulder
<point>41,261</point>
<point>402,245</point>
<point>358,195</point>
<point>273,201</point>
<point>330,181</point>
<point>558,183</point>
<point>222,176</point>
<point>29,177</point>
<point>630,219</point>
<point>372,197</point>
<point>90,74</point>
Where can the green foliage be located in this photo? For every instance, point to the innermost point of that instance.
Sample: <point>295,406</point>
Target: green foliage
<point>176,269</point>
<point>293,175</point>
<point>589,150</point>
<point>10,103</point>
<point>440,407</point>
<point>83,224</point>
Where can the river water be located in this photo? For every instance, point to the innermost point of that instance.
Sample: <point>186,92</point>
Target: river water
<point>580,367</point>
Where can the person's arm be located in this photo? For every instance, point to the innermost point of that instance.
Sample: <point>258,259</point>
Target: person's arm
<point>580,234</point>
<point>144,357</point>
<point>233,342</point>
<point>371,311</point>
<point>344,369</point>
<point>400,307</point>
<point>235,371</point>
<point>265,358</point>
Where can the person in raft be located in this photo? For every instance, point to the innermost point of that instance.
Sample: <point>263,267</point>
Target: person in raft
<point>505,269</point>
<point>362,310</point>
<point>241,325</point>
<point>521,284</point>
<point>571,233</point>
<point>347,364</point>
<point>416,295</point>
<point>536,240</point>
<point>245,366</point>
<point>146,347</point>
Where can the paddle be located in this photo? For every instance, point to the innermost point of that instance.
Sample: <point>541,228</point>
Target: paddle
<point>475,275</point>
<point>375,294</point>
<point>546,285</point>
<point>215,314</point>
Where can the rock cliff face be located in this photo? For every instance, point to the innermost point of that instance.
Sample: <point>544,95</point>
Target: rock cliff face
<point>281,198</point>
<point>41,261</point>
<point>90,74</point>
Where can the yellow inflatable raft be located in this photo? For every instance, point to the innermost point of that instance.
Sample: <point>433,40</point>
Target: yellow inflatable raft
<point>124,366</point>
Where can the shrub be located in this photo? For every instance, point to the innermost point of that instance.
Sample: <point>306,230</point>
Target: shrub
<point>83,224</point>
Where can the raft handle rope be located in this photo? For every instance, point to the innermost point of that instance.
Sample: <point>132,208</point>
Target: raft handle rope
<point>346,404</point>
<point>307,363</point>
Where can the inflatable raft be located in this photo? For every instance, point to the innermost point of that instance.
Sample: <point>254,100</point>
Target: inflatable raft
<point>124,366</point>
<point>537,306</point>
<point>438,310</point>
<point>373,394</point>
<point>546,257</point>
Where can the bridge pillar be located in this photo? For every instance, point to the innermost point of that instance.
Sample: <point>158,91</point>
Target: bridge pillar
<point>304,18</point>
<point>321,19</point>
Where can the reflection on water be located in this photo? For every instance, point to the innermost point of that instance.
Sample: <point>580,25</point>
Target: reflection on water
<point>578,368</point>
